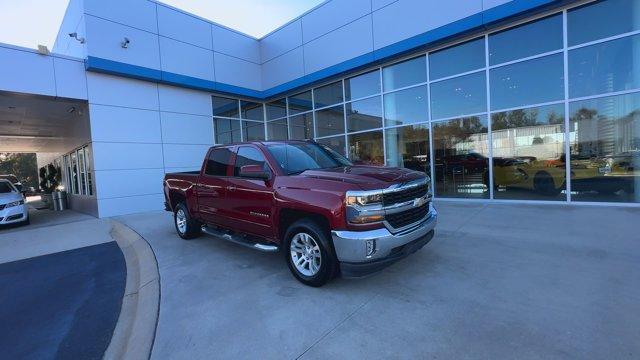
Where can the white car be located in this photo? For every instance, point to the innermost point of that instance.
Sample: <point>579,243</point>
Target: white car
<point>12,205</point>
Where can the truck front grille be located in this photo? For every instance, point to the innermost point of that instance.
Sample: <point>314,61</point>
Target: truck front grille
<point>2,206</point>
<point>404,195</point>
<point>407,217</point>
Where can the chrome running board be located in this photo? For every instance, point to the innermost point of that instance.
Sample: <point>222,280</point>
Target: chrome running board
<point>239,239</point>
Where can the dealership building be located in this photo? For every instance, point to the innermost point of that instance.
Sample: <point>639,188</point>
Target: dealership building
<point>515,101</point>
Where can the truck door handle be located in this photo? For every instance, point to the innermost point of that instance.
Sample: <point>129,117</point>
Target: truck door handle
<point>231,188</point>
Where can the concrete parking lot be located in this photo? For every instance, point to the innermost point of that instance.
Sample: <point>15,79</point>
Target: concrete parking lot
<point>498,281</point>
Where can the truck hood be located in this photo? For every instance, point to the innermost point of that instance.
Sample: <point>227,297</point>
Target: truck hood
<point>366,177</point>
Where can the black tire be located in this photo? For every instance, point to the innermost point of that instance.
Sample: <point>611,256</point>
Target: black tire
<point>328,267</point>
<point>190,228</point>
<point>544,185</point>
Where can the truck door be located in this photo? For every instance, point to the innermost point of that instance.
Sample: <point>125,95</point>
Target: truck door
<point>211,187</point>
<point>250,202</point>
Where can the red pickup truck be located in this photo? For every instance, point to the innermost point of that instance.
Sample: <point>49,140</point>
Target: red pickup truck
<point>327,215</point>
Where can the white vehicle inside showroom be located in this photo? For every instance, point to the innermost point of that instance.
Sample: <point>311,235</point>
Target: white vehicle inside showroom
<point>12,205</point>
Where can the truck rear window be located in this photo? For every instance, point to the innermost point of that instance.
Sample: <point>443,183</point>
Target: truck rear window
<point>218,162</point>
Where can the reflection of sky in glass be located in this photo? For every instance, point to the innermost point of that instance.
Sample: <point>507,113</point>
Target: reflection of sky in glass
<point>406,106</point>
<point>300,102</point>
<point>528,82</point>
<point>362,85</point>
<point>459,96</point>
<point>405,74</point>
<point>364,114</point>
<point>328,94</point>
<point>602,19</point>
<point>458,59</point>
<point>539,36</point>
<point>605,67</point>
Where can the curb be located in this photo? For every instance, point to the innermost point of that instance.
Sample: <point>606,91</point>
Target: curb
<point>135,330</point>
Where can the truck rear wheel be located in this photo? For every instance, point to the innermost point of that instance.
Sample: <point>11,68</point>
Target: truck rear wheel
<point>186,227</point>
<point>308,253</point>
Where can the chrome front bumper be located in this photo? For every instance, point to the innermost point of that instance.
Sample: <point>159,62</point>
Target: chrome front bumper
<point>351,246</point>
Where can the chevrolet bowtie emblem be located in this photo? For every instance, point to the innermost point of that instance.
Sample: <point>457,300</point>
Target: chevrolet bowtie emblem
<point>419,202</point>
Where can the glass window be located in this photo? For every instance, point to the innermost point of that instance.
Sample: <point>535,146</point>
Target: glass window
<point>330,121</point>
<point>528,153</point>
<point>81,170</point>
<point>252,110</point>
<point>328,95</point>
<point>336,143</point>
<point>364,114</point>
<point>248,155</point>
<point>528,82</point>
<point>74,173</point>
<point>362,85</point>
<point>406,106</point>
<point>605,67</point>
<point>226,107</point>
<point>301,126</point>
<point>459,96</point>
<point>408,147</point>
<point>300,103</point>
<point>461,161</point>
<point>605,149</point>
<point>366,148</point>
<point>227,130</point>
<point>276,109</point>
<point>541,36</point>
<point>252,130</point>
<point>218,161</point>
<point>459,59</point>
<point>277,130</point>
<point>88,162</point>
<point>602,19</point>
<point>406,73</point>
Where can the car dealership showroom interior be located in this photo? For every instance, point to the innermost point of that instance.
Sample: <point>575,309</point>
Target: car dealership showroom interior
<point>521,117</point>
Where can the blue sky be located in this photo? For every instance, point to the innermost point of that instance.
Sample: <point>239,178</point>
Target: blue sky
<point>31,22</point>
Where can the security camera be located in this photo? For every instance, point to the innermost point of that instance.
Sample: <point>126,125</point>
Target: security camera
<point>125,43</point>
<point>75,36</point>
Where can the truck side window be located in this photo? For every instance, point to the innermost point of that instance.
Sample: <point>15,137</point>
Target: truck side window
<point>249,156</point>
<point>218,161</point>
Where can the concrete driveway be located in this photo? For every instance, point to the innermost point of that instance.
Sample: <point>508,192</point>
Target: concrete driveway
<point>497,281</point>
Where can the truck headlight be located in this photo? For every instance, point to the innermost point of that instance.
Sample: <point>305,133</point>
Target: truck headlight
<point>15,203</point>
<point>364,199</point>
<point>364,207</point>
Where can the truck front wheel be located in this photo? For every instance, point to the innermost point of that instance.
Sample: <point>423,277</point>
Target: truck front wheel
<point>187,227</point>
<point>308,253</point>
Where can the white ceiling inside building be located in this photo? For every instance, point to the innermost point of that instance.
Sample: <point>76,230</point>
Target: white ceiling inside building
<point>41,124</point>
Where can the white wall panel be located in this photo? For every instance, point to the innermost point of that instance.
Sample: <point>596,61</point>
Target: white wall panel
<point>184,155</point>
<point>285,39</point>
<point>377,4</point>
<point>235,44</point>
<point>180,58</point>
<point>120,183</point>
<point>140,14</point>
<point>487,4</point>
<point>119,91</point>
<point>71,79</point>
<point>104,38</point>
<point>186,129</point>
<point>119,124</point>
<point>345,43</point>
<point>182,169</point>
<point>130,205</point>
<point>176,99</point>
<point>180,26</point>
<point>332,15</point>
<point>238,72</point>
<point>283,68</point>
<point>407,18</point>
<point>122,156</point>
<point>26,71</point>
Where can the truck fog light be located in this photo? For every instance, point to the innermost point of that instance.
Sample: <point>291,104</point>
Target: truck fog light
<point>371,247</point>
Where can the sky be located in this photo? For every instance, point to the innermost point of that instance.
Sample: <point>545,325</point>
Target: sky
<point>30,23</point>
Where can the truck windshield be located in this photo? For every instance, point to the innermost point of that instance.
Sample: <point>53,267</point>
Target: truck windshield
<point>6,187</point>
<point>295,158</point>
